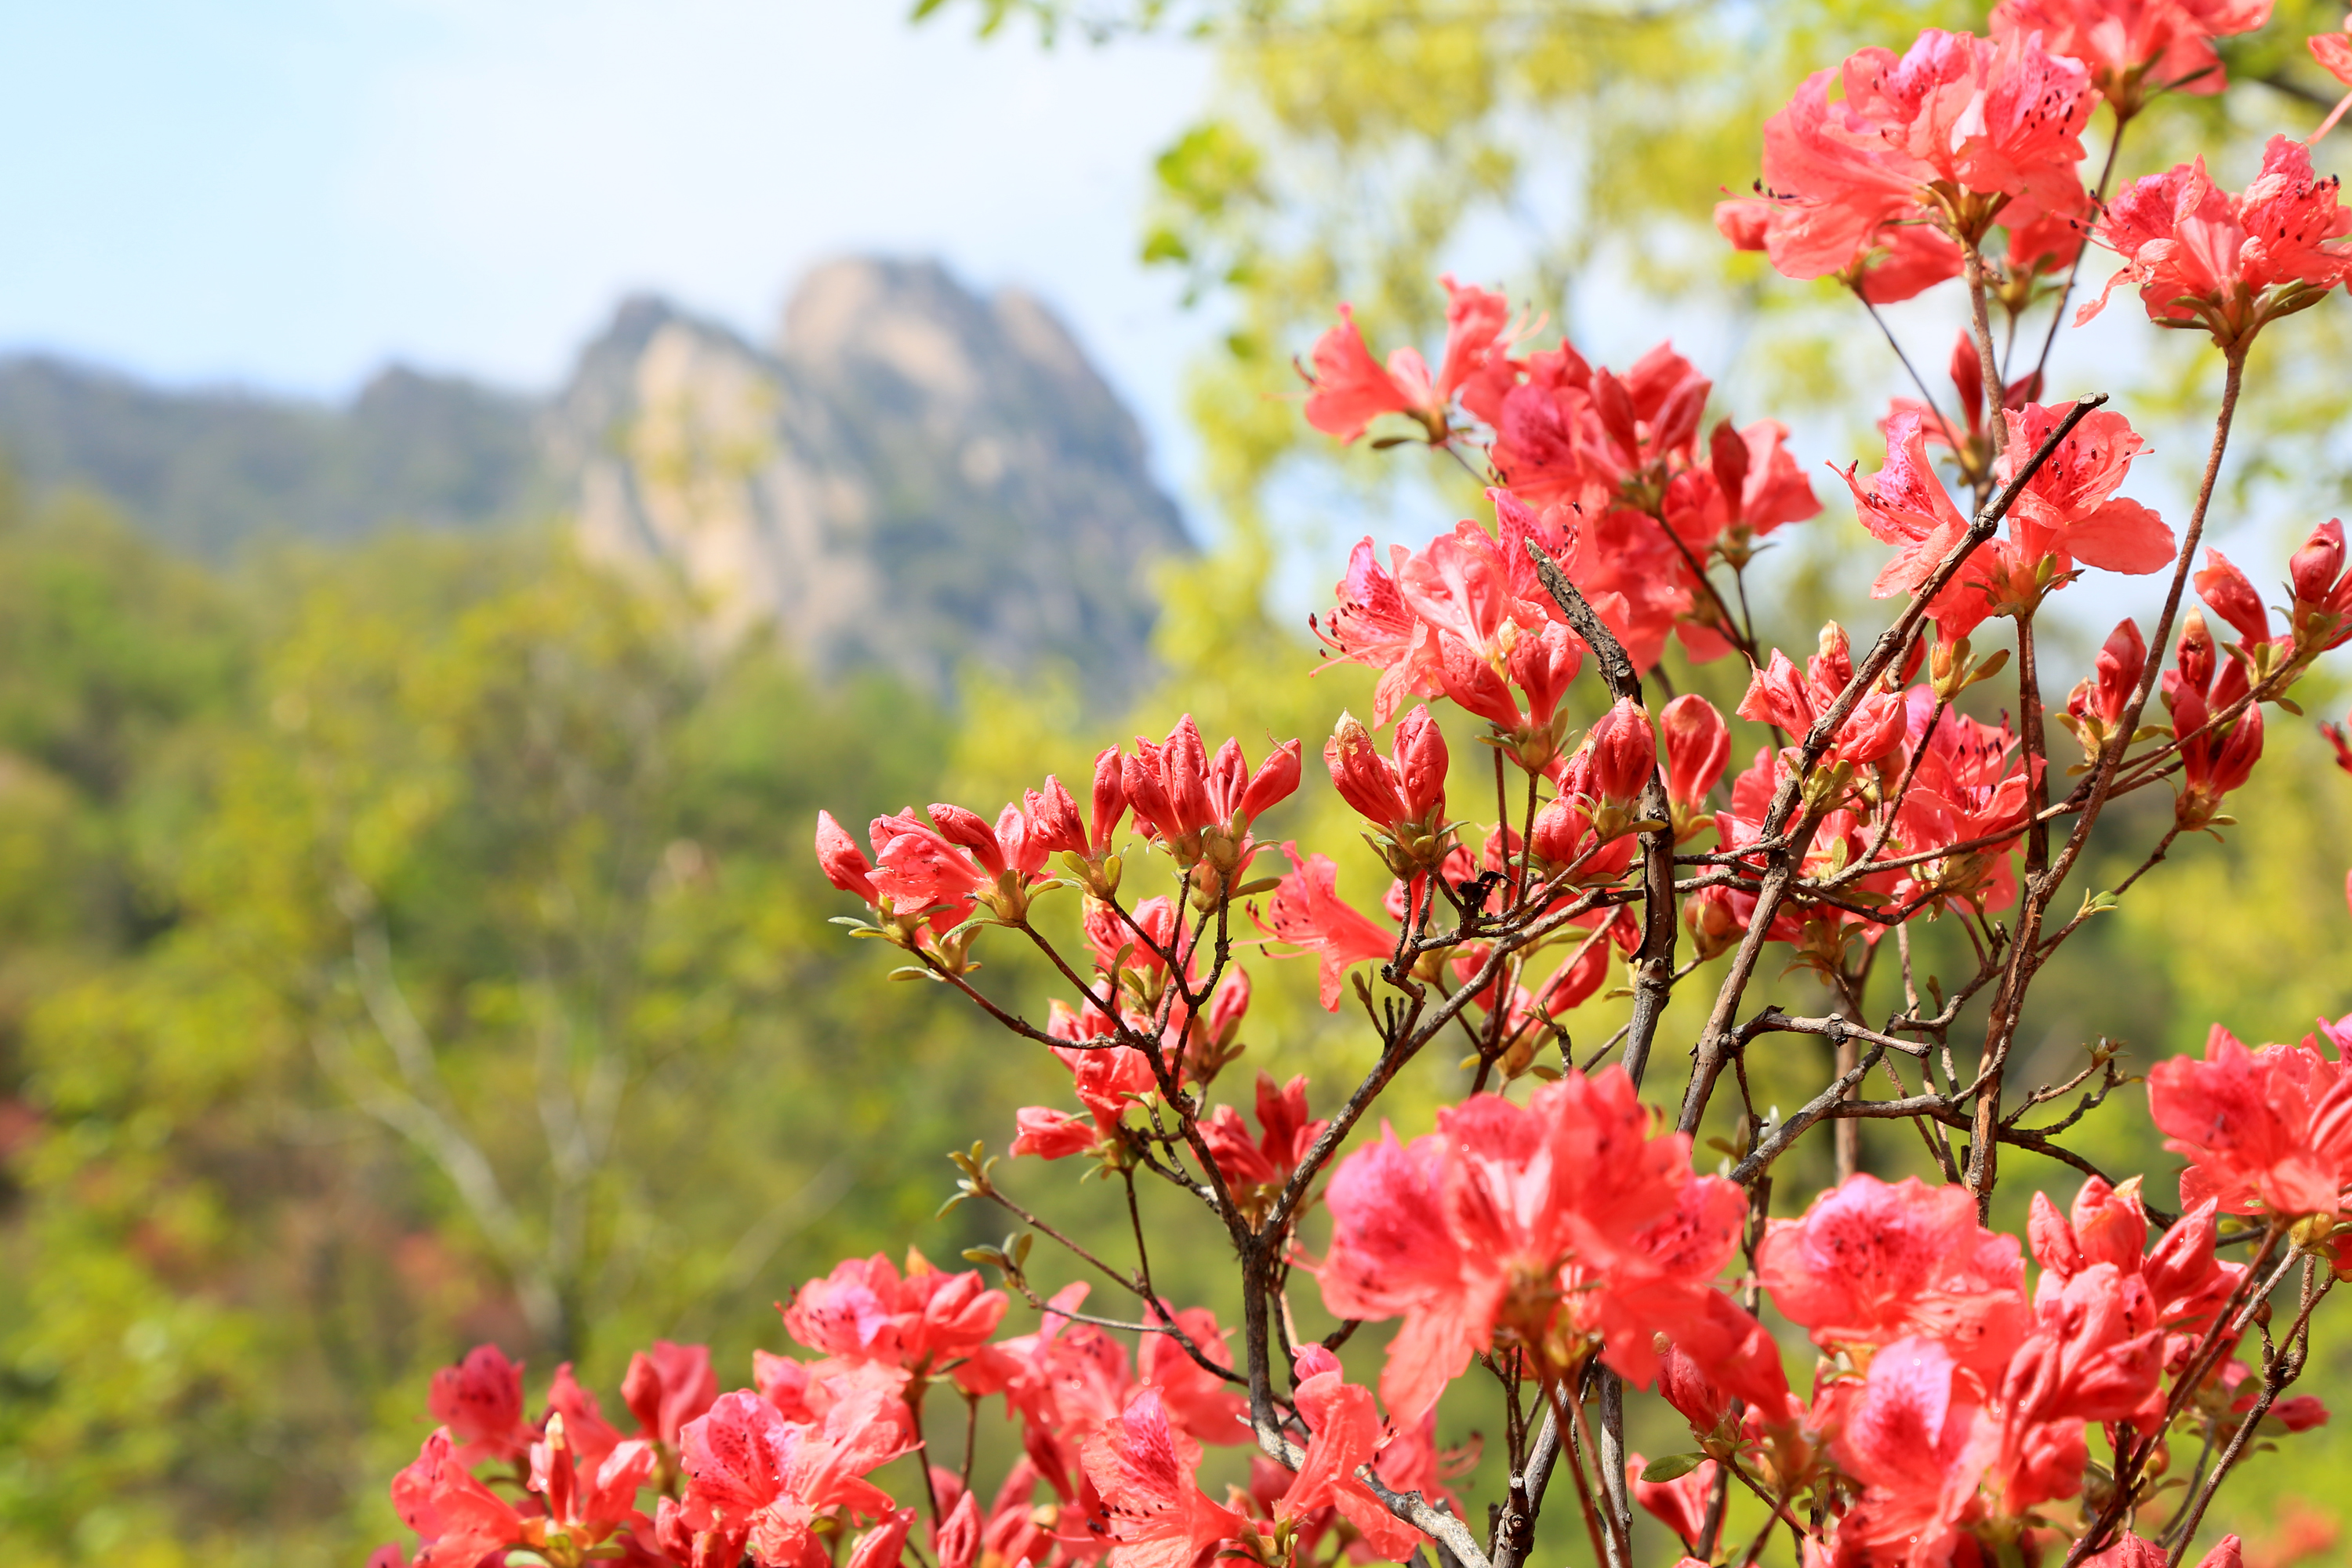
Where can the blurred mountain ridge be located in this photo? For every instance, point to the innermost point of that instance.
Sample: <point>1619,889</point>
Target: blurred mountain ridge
<point>907,475</point>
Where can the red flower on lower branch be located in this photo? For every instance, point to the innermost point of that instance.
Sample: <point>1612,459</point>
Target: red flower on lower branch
<point>1557,1229</point>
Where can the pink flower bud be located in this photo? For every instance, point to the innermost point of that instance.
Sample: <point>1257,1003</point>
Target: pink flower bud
<point>1228,777</point>
<point>1228,1003</point>
<point>2121,661</point>
<point>1420,764</point>
<point>1055,825</point>
<point>668,1386</point>
<point>2233,762</point>
<point>966,830</point>
<point>1275,782</point>
<point>1967,380</point>
<point>1615,409</point>
<point>1023,852</point>
<point>1831,669</point>
<point>1543,667</point>
<point>1624,752</point>
<point>1313,1360</point>
<point>2300,1413</point>
<point>1776,696</point>
<point>1109,797</point>
<point>1140,776</point>
<point>2313,570</point>
<point>1363,777</point>
<point>844,863</point>
<point>1726,452</point>
<point>1184,775</point>
<point>2192,658</point>
<point>1698,745</point>
<point>2225,588</point>
<point>1714,925</point>
<point>1561,832</point>
<point>1471,681</point>
<point>1875,728</point>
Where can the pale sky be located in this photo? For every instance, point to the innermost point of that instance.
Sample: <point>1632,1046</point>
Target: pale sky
<point>289,193</point>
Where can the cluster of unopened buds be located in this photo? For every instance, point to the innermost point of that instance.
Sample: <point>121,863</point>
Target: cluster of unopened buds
<point>1953,1404</point>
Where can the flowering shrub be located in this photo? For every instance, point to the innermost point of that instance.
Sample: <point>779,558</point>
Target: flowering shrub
<point>1549,1234</point>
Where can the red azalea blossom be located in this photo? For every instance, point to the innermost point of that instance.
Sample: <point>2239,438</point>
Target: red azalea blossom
<point>1307,912</point>
<point>1153,1513</point>
<point>758,1482</point>
<point>866,1311</point>
<point>2203,257</point>
<point>1563,1213</point>
<point>460,1521</point>
<point>2136,47</point>
<point>1351,388</point>
<point>2267,1130</point>
<point>1871,1264</point>
<point>479,1400</point>
<point>668,1386</point>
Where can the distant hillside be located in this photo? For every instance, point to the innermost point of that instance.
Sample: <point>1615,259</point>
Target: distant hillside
<point>205,471</point>
<point>907,476</point>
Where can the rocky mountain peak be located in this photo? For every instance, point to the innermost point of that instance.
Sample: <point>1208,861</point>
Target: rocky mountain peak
<point>912,476</point>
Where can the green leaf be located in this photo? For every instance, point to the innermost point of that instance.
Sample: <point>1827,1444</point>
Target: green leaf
<point>1671,1467</point>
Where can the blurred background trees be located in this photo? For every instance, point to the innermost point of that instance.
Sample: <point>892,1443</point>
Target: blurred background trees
<point>416,941</point>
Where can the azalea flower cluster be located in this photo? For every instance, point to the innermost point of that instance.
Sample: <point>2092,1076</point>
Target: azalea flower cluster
<point>1947,1413</point>
<point>1583,760</point>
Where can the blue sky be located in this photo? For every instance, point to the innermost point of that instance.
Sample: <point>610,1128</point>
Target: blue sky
<point>287,195</point>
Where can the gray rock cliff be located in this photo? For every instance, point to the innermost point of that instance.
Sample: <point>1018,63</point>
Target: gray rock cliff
<point>907,476</point>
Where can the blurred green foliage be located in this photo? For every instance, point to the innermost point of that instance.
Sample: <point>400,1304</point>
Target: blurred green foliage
<point>404,947</point>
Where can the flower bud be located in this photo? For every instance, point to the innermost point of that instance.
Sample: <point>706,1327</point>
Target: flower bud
<point>1472,682</point>
<point>1726,452</point>
<point>1364,778</point>
<point>2225,589</point>
<point>2121,661</point>
<point>1561,832</point>
<point>1053,822</point>
<point>844,863</point>
<point>965,830</point>
<point>1967,380</point>
<point>2313,570</point>
<point>1422,762</point>
<point>1698,745</point>
<point>1624,752</point>
<point>1713,924</point>
<point>1614,407</point>
<point>1024,853</point>
<point>1947,667</point>
<point>1875,728</point>
<point>2233,762</point>
<point>1184,773</point>
<point>1139,775</point>
<point>1109,797</point>
<point>1776,696</point>
<point>1228,1005</point>
<point>1313,1360</point>
<point>1275,782</point>
<point>1831,671</point>
<point>1542,666</point>
<point>2192,658</point>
